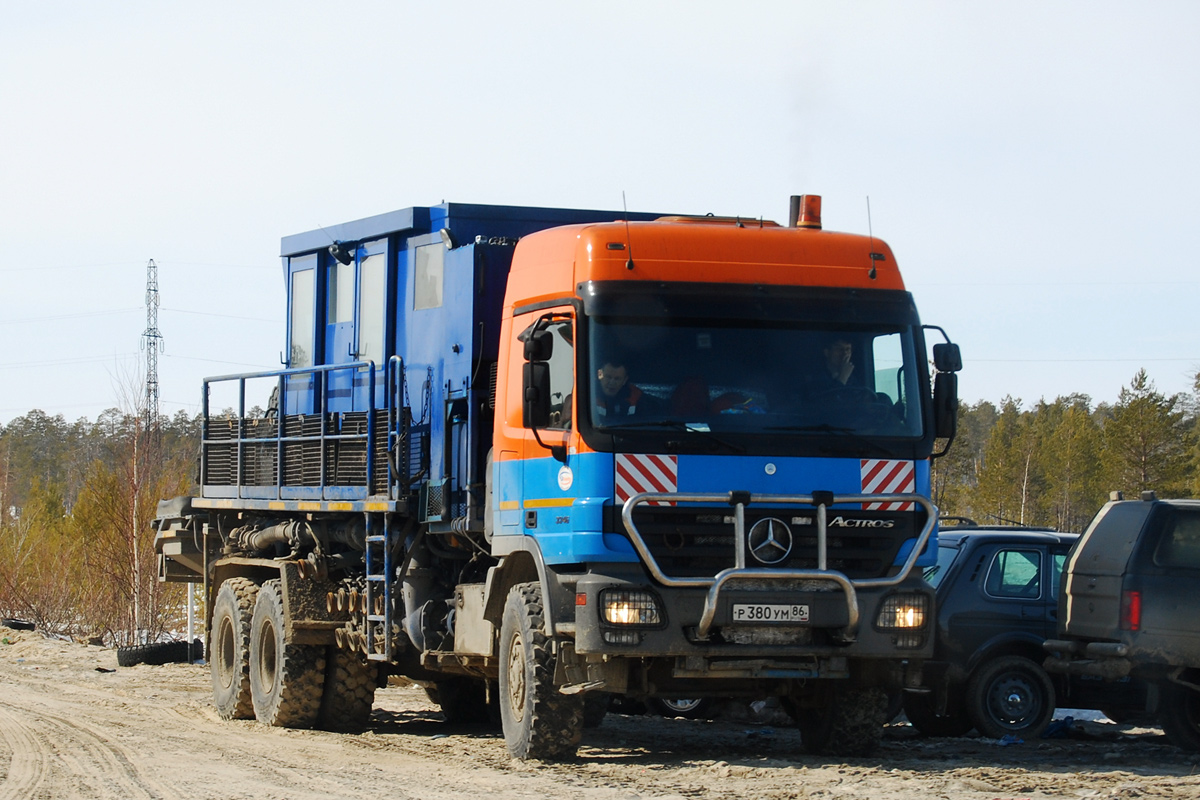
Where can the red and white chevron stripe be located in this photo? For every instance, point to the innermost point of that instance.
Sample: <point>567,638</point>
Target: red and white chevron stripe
<point>638,473</point>
<point>886,476</point>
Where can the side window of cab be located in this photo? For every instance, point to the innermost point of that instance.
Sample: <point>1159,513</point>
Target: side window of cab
<point>561,364</point>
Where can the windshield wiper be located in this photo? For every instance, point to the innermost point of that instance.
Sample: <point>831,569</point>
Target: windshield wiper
<point>841,430</point>
<point>699,428</point>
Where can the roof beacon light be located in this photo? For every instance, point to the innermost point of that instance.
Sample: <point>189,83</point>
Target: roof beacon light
<point>806,211</point>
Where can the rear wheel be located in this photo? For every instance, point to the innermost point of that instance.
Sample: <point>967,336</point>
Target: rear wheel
<point>850,725</point>
<point>229,648</point>
<point>1011,696</point>
<point>1179,715</point>
<point>349,692</point>
<point>285,678</point>
<point>539,722</point>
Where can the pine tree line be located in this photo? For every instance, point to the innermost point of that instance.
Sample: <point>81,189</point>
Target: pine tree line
<point>76,505</point>
<point>1055,464</point>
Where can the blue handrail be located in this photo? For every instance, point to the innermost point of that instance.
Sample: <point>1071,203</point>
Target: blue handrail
<point>320,399</point>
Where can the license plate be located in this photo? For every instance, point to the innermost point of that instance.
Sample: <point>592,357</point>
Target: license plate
<point>769,612</point>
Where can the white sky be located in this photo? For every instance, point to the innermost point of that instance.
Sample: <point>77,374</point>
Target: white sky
<point>1033,164</point>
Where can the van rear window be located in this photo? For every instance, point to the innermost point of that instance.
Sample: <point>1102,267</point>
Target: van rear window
<point>1179,543</point>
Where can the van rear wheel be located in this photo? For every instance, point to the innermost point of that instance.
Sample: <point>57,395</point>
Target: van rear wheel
<point>1179,715</point>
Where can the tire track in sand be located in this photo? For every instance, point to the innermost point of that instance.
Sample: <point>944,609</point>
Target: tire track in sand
<point>48,746</point>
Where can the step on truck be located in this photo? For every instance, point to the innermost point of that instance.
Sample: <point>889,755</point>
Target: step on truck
<point>530,457</point>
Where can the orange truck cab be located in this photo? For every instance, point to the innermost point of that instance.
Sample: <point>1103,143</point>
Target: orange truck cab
<point>536,458</point>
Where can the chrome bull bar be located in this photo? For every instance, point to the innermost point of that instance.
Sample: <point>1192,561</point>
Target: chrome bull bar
<point>740,572</point>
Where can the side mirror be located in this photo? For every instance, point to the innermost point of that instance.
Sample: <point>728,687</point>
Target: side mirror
<point>535,410</point>
<point>945,403</point>
<point>539,346</point>
<point>946,357</point>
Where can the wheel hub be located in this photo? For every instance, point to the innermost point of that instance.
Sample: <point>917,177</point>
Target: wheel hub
<point>226,657</point>
<point>1014,701</point>
<point>516,677</point>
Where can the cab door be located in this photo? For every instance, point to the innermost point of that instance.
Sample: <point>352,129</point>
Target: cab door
<point>549,484</point>
<point>532,490</point>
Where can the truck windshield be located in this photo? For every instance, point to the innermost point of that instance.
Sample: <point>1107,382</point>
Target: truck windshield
<point>782,378</point>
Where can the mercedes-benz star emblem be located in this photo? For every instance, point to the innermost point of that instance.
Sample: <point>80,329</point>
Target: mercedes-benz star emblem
<point>770,540</point>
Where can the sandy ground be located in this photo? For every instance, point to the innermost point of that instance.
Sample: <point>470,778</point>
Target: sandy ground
<point>74,725</point>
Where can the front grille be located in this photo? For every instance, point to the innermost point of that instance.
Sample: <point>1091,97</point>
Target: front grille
<point>690,542</point>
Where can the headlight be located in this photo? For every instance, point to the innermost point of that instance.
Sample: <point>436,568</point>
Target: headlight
<point>903,611</point>
<point>629,607</point>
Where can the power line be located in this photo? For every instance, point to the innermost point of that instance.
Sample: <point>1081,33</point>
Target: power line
<point>67,361</point>
<point>222,316</point>
<point>114,312</point>
<point>71,316</point>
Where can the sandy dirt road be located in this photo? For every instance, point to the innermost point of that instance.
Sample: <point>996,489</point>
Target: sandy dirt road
<point>74,725</point>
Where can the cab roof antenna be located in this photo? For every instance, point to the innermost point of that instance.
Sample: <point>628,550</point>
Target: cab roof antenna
<point>870,233</point>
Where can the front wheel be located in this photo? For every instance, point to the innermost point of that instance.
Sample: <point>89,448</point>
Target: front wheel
<point>1179,715</point>
<point>1011,696</point>
<point>851,724</point>
<point>539,722</point>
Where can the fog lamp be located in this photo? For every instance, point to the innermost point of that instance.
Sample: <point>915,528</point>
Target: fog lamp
<point>629,607</point>
<point>909,641</point>
<point>900,611</point>
<point>622,637</point>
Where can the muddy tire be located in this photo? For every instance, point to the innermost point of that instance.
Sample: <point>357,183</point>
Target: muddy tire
<point>538,721</point>
<point>229,648</point>
<point>349,692</point>
<point>851,725</point>
<point>1011,696</point>
<point>158,653</point>
<point>285,678</point>
<point>1179,715</point>
<point>920,711</point>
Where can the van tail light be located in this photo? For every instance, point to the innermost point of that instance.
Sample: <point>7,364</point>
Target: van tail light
<point>1131,611</point>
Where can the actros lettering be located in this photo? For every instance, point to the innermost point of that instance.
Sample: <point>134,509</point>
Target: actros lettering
<point>842,522</point>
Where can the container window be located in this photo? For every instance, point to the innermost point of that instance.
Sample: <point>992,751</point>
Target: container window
<point>427,293</point>
<point>301,344</point>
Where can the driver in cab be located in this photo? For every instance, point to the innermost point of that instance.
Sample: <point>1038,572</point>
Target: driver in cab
<point>838,365</point>
<point>615,396</point>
